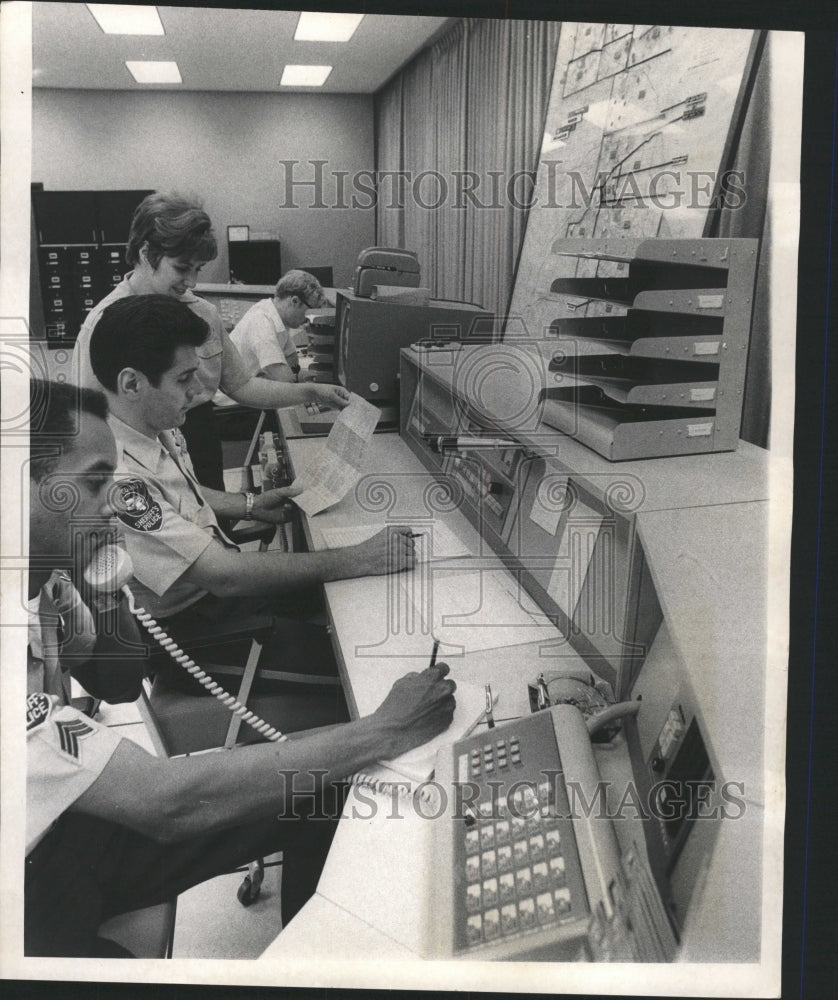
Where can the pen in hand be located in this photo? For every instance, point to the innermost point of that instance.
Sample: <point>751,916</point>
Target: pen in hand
<point>434,651</point>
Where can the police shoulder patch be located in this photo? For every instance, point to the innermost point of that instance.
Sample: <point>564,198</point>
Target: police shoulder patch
<point>37,710</point>
<point>136,508</point>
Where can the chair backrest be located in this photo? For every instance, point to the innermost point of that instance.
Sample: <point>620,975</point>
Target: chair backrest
<point>325,275</point>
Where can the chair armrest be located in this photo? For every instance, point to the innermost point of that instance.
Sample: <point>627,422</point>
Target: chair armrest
<point>243,532</point>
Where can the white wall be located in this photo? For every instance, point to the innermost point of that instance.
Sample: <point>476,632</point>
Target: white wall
<point>224,147</point>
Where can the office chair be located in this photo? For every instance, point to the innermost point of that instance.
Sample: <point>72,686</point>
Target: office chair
<point>146,933</point>
<point>325,275</point>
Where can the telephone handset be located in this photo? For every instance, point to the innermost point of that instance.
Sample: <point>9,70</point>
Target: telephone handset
<point>110,570</point>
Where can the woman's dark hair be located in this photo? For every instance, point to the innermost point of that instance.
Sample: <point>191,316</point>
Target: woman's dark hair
<point>173,226</point>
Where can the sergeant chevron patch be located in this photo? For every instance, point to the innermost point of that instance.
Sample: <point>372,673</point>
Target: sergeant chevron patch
<point>71,733</point>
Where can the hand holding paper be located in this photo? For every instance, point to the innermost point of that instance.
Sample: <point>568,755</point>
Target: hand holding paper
<point>339,465</point>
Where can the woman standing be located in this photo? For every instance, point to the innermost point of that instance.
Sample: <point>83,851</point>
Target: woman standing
<point>171,239</point>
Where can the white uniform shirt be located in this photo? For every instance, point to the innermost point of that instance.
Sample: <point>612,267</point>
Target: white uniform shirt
<point>262,339</point>
<point>165,523</point>
<point>65,751</point>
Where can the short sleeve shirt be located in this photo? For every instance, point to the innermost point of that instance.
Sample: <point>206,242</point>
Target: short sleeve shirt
<point>262,339</point>
<point>165,522</point>
<point>220,362</point>
<point>65,753</point>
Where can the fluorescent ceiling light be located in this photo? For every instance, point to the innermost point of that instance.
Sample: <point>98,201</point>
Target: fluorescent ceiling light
<point>326,27</point>
<point>124,19</point>
<point>304,76</point>
<point>147,71</point>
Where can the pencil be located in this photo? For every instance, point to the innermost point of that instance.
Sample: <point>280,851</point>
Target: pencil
<point>434,652</point>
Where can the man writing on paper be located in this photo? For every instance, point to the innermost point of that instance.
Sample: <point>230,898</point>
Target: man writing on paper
<point>144,352</point>
<point>110,828</point>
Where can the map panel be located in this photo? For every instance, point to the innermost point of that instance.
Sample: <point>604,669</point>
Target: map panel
<point>636,127</point>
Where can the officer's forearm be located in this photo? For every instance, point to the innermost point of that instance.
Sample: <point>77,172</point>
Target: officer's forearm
<point>227,573</point>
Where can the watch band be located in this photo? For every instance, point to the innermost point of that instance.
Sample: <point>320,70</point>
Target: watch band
<point>248,506</point>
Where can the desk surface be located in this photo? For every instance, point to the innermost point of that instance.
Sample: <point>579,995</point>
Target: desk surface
<point>383,627</point>
<point>374,887</point>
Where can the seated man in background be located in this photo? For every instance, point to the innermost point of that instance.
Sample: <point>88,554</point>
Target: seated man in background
<point>264,334</point>
<point>143,351</point>
<point>111,828</point>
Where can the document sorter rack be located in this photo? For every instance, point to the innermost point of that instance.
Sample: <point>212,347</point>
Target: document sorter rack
<point>653,344</point>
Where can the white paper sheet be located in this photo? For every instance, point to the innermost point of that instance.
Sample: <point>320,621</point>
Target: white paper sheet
<point>474,610</point>
<point>338,467</point>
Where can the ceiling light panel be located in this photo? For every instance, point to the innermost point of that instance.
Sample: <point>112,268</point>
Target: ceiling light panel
<point>304,76</point>
<point>326,27</point>
<point>125,19</point>
<point>147,71</point>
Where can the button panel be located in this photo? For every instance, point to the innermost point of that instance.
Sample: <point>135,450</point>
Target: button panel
<point>518,850</point>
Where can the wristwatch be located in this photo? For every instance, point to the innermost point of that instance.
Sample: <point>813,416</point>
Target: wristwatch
<point>248,506</point>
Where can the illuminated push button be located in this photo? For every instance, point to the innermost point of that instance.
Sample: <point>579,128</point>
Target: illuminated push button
<point>473,868</point>
<point>504,858</point>
<point>489,863</point>
<point>474,929</point>
<point>549,819</point>
<point>490,892</point>
<point>490,767</point>
<point>509,919</point>
<point>491,924</point>
<point>519,826</point>
<point>537,847</point>
<point>523,881</point>
<point>545,907</point>
<point>540,877</point>
<point>487,836</point>
<point>553,840</point>
<point>557,870</point>
<point>473,900</point>
<point>526,913</point>
<point>561,900</point>
<point>502,832</point>
<point>521,853</point>
<point>472,841</point>
<point>506,886</point>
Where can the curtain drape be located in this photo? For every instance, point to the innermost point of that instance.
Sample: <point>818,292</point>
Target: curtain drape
<point>469,115</point>
<point>752,162</point>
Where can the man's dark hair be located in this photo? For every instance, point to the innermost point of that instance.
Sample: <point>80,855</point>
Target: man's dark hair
<point>142,332</point>
<point>55,409</point>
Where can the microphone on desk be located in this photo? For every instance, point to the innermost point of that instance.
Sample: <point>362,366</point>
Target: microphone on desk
<point>443,442</point>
